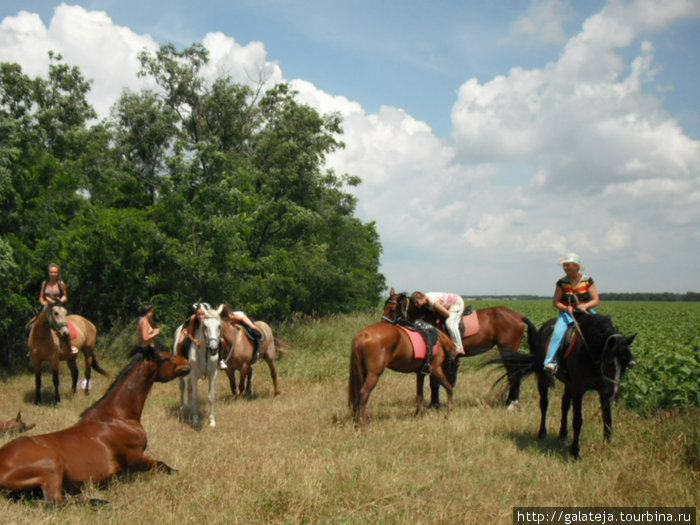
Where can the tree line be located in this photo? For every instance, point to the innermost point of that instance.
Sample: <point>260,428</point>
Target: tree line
<point>192,191</point>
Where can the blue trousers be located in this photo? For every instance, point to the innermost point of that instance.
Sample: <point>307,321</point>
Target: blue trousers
<point>564,320</point>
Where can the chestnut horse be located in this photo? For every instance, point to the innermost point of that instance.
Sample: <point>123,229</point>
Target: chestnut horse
<point>107,440</point>
<point>499,327</point>
<point>238,354</point>
<point>50,340</point>
<point>382,345</point>
<point>596,360</point>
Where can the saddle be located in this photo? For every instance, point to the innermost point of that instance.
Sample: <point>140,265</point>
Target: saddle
<point>430,335</point>
<point>256,337</point>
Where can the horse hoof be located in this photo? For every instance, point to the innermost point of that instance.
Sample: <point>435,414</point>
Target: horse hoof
<point>212,423</point>
<point>513,406</point>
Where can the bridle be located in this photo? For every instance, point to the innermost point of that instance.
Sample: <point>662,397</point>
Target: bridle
<point>401,304</point>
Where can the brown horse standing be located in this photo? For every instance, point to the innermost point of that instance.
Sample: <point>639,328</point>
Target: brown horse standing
<point>382,345</point>
<point>50,340</point>
<point>499,327</point>
<point>238,353</point>
<point>106,441</point>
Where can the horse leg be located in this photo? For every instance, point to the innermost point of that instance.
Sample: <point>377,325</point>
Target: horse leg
<point>365,391</point>
<point>420,384</point>
<point>273,373</point>
<point>565,406</point>
<point>231,374</point>
<point>57,396</point>
<point>578,423</point>
<point>87,352</point>
<point>440,375</point>
<point>73,367</point>
<point>182,397</point>
<point>543,388</point>
<point>434,393</point>
<point>249,383</point>
<point>606,408</point>
<point>212,396</point>
<point>37,383</point>
<point>193,399</point>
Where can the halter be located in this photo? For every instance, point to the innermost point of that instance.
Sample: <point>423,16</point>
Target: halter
<point>52,323</point>
<point>615,360</point>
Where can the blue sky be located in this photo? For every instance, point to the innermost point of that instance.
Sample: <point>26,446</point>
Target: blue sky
<point>491,136</point>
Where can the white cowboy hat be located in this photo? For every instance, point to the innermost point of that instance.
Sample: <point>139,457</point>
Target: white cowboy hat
<point>572,258</point>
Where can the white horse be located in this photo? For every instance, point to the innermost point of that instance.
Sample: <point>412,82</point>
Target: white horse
<point>204,360</point>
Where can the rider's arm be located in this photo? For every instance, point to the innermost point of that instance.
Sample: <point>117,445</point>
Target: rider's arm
<point>594,300</point>
<point>440,308</point>
<point>42,299</point>
<point>558,301</point>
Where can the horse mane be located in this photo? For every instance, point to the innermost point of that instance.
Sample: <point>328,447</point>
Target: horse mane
<point>596,328</point>
<point>138,355</point>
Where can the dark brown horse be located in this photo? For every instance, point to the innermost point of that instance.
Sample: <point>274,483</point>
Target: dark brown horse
<point>238,352</point>
<point>382,345</point>
<point>596,360</point>
<point>499,327</point>
<point>107,440</point>
<point>15,425</point>
<point>51,339</point>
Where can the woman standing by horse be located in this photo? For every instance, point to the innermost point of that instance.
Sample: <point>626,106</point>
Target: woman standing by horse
<point>146,330</point>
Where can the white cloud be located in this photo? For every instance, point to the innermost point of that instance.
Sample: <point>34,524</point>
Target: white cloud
<point>543,21</point>
<point>575,155</point>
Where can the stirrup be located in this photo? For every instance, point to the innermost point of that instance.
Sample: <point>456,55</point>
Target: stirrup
<point>426,370</point>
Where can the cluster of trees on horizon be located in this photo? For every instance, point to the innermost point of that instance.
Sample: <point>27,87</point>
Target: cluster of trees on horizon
<point>193,192</point>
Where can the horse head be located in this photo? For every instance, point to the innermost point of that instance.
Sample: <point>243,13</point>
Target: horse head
<point>211,329</point>
<point>396,307</point>
<point>56,317</point>
<point>170,366</point>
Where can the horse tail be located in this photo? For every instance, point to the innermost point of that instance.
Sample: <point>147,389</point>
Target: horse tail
<point>532,334</point>
<point>357,375</point>
<point>97,368</point>
<point>517,365</point>
<point>281,346</point>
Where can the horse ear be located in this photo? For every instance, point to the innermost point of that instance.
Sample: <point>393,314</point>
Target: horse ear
<point>19,416</point>
<point>630,339</point>
<point>220,309</point>
<point>392,292</point>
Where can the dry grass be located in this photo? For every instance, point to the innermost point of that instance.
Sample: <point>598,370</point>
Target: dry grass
<point>298,458</point>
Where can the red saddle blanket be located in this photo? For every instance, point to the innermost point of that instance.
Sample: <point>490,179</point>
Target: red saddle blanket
<point>420,348</point>
<point>73,331</point>
<point>471,324</point>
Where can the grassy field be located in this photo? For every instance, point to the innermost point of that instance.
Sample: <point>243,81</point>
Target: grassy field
<point>298,458</point>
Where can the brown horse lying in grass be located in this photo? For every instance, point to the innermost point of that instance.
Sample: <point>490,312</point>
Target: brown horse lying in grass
<point>107,440</point>
<point>15,425</point>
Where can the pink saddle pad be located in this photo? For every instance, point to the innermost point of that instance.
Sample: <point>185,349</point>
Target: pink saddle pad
<point>471,324</point>
<point>420,349</point>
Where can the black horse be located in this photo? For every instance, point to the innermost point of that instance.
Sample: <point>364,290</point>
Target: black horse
<point>596,359</point>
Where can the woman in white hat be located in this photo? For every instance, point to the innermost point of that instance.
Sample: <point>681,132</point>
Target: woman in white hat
<point>574,291</point>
